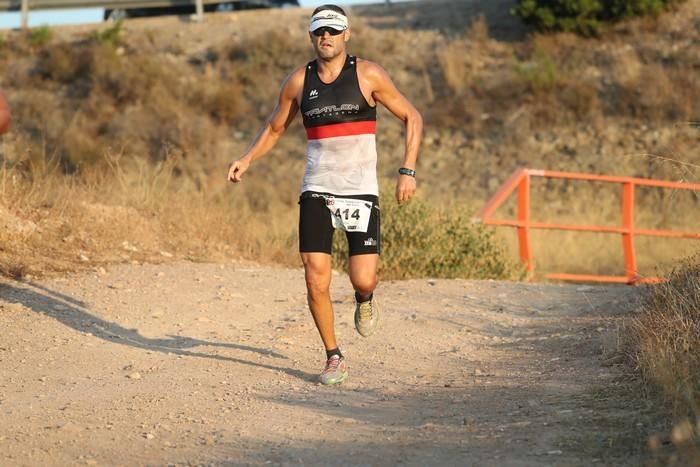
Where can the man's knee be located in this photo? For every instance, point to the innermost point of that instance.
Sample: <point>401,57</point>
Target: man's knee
<point>317,285</point>
<point>317,275</point>
<point>365,283</point>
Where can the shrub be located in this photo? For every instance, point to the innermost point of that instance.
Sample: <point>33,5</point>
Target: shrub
<point>223,101</point>
<point>41,35</point>
<point>112,36</point>
<point>64,63</point>
<point>419,240</point>
<point>538,74</point>
<point>585,17</point>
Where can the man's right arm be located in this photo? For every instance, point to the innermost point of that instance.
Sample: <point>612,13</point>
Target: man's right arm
<point>4,115</point>
<point>281,117</point>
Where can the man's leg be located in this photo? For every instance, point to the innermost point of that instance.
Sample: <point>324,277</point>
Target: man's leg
<point>317,269</point>
<point>363,275</point>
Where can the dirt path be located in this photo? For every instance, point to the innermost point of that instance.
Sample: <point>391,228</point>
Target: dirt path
<point>216,364</point>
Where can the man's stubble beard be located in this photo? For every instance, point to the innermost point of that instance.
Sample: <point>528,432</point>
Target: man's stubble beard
<point>328,54</point>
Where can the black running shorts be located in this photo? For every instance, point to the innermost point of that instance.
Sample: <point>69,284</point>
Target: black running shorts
<point>316,225</point>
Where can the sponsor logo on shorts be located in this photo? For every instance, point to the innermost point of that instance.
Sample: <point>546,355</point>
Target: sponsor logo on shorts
<point>370,242</point>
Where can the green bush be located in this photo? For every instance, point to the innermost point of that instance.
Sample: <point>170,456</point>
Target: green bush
<point>41,35</point>
<point>538,74</point>
<point>111,37</point>
<point>421,240</point>
<point>585,17</point>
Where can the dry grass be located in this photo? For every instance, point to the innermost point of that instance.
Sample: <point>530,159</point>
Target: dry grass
<point>662,343</point>
<point>666,337</point>
<point>137,211</point>
<point>134,211</point>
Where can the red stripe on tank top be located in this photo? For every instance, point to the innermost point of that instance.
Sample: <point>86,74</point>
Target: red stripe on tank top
<point>342,129</point>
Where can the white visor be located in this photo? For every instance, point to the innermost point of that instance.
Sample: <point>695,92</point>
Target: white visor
<point>329,19</point>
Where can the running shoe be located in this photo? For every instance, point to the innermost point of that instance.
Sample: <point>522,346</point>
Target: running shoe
<point>367,317</point>
<point>335,371</point>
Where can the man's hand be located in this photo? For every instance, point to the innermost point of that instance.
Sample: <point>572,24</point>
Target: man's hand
<point>237,169</point>
<point>405,188</point>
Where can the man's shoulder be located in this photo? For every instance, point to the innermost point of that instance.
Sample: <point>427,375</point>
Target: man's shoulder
<point>295,79</point>
<point>368,66</point>
<point>297,73</point>
<point>370,70</point>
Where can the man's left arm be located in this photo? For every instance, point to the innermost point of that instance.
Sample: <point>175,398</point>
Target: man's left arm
<point>385,92</point>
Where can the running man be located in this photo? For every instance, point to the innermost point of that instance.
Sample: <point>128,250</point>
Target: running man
<point>337,96</point>
<point>4,115</point>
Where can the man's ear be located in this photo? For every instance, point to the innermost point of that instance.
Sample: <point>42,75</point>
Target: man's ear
<point>346,35</point>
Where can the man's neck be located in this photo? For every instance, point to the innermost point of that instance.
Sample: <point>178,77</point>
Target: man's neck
<point>331,66</point>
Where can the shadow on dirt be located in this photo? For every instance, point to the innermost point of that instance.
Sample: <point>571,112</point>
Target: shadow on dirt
<point>74,314</point>
<point>458,426</point>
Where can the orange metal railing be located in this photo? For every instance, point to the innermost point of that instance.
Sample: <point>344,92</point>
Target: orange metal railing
<point>520,180</point>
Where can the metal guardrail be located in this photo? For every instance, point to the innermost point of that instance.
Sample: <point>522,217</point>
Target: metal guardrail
<point>26,5</point>
<point>520,181</point>
<point>16,5</point>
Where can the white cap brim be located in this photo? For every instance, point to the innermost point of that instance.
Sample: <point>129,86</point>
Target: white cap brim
<point>328,19</point>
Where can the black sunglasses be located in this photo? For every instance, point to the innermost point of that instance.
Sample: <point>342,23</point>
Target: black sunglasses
<point>325,29</point>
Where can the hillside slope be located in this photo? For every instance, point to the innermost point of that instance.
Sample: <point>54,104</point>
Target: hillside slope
<point>494,99</point>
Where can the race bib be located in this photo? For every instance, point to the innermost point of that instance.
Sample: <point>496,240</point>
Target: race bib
<point>351,215</point>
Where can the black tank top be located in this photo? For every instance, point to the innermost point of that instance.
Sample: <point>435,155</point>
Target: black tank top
<point>338,102</point>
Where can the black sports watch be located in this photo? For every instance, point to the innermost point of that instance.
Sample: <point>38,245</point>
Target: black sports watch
<point>407,171</point>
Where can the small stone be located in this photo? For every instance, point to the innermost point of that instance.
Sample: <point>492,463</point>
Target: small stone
<point>59,307</point>
<point>129,247</point>
<point>84,258</point>
<point>149,436</point>
<point>166,254</point>
<point>682,432</point>
<point>654,442</point>
<point>135,375</point>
